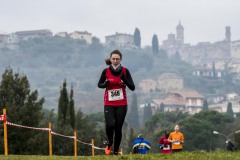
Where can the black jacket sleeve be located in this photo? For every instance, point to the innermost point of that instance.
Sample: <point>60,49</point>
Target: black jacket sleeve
<point>101,82</point>
<point>128,81</point>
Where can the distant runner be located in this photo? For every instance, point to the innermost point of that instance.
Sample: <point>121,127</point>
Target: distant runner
<point>177,140</point>
<point>141,145</point>
<point>164,144</point>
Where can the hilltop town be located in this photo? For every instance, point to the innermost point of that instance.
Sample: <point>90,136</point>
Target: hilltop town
<point>210,61</point>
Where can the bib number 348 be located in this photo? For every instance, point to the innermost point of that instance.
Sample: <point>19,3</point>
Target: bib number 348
<point>115,94</point>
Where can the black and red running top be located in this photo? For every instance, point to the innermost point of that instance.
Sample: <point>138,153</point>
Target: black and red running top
<point>115,93</point>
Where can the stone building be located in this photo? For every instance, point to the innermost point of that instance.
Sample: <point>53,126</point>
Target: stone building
<point>207,72</point>
<point>169,81</point>
<point>182,100</point>
<point>120,40</point>
<point>82,36</point>
<point>165,82</point>
<point>148,85</point>
<point>62,34</point>
<point>235,50</point>
<point>9,41</point>
<point>25,35</point>
<point>3,38</point>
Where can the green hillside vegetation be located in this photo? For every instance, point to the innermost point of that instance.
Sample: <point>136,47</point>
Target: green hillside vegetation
<point>25,107</point>
<point>42,79</point>
<point>48,61</point>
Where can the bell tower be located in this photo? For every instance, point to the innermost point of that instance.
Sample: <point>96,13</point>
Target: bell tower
<point>228,33</point>
<point>180,34</point>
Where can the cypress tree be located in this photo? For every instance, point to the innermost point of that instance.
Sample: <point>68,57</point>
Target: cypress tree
<point>205,105</point>
<point>147,112</point>
<point>155,45</point>
<point>214,71</point>
<point>161,109</point>
<point>71,109</point>
<point>229,109</point>
<point>63,105</point>
<point>137,38</point>
<point>133,118</point>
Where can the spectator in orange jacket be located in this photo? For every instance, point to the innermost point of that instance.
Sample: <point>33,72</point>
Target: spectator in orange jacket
<point>177,140</point>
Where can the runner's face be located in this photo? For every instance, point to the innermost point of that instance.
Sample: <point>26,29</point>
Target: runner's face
<point>167,134</point>
<point>176,128</point>
<point>115,59</point>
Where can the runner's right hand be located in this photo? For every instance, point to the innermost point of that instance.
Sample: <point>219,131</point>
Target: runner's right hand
<point>106,83</point>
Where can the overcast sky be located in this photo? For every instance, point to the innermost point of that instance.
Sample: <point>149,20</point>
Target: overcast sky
<point>203,20</point>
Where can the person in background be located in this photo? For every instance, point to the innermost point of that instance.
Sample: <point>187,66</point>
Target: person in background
<point>114,79</point>
<point>164,144</point>
<point>177,140</point>
<point>230,146</point>
<point>141,145</point>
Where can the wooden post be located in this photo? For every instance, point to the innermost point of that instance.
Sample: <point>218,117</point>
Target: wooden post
<point>5,132</point>
<point>50,139</point>
<point>92,147</point>
<point>75,144</point>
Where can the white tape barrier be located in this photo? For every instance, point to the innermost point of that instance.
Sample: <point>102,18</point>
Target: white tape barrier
<point>22,126</point>
<point>48,129</point>
<point>73,137</point>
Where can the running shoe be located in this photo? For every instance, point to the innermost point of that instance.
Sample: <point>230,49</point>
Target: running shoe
<point>108,150</point>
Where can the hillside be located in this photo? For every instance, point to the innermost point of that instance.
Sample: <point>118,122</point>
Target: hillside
<point>48,62</point>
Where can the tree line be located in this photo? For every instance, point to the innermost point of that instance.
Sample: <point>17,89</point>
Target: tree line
<point>25,107</point>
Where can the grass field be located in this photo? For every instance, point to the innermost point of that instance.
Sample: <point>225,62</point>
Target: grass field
<point>197,155</point>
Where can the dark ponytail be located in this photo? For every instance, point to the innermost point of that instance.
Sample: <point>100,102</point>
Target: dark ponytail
<point>107,61</point>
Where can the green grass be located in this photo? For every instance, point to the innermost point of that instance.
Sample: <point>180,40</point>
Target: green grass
<point>197,155</point>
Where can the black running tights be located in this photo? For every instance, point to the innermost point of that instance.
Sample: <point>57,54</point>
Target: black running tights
<point>114,118</point>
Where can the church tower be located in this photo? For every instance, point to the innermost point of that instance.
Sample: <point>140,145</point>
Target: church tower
<point>180,34</point>
<point>228,34</point>
<point>228,40</point>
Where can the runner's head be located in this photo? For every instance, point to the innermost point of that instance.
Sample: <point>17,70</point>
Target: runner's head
<point>176,128</point>
<point>167,134</point>
<point>115,58</point>
<point>140,136</point>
